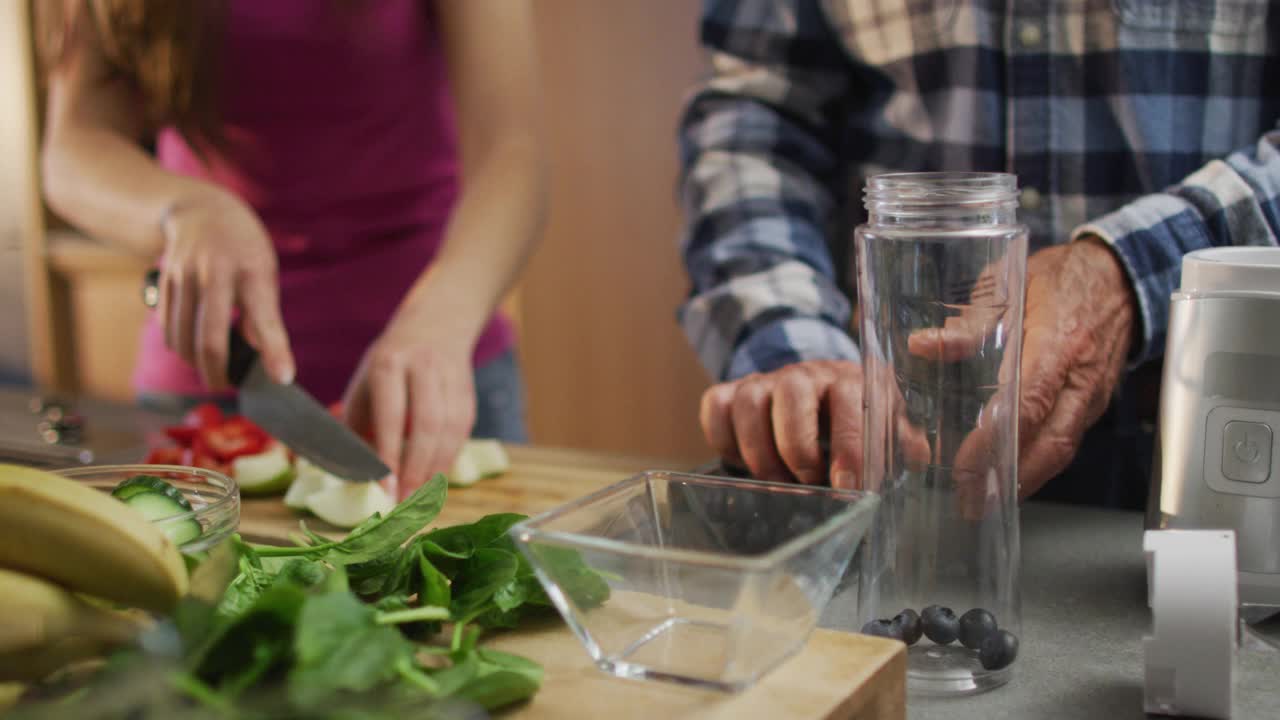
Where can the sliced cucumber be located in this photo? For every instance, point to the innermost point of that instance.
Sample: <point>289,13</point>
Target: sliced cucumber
<point>157,506</point>
<point>266,472</point>
<point>349,504</point>
<point>478,459</point>
<point>150,483</point>
<point>309,481</point>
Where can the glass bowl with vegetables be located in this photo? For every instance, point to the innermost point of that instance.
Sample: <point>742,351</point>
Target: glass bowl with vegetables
<point>195,507</point>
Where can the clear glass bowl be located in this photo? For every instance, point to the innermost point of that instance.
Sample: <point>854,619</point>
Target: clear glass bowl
<point>711,581</point>
<point>214,497</point>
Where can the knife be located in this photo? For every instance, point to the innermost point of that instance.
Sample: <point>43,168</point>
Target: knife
<point>288,412</point>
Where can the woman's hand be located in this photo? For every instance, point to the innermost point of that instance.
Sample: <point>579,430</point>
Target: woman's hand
<point>217,257</point>
<point>414,394</point>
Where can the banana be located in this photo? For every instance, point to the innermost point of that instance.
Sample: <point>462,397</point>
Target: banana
<point>36,614</point>
<point>86,541</point>
<point>32,666</point>
<point>10,694</point>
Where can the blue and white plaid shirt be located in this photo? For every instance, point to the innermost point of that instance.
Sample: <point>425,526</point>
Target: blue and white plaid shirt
<point>1151,123</point>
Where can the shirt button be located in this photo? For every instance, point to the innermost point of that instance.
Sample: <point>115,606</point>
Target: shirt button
<point>1031,198</point>
<point>1029,35</point>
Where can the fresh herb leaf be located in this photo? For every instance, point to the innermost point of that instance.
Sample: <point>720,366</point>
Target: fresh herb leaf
<point>244,589</point>
<point>450,680</point>
<point>433,586</point>
<point>376,536</point>
<point>232,645</point>
<point>304,572</point>
<point>339,646</point>
<point>501,679</point>
<point>417,630</point>
<point>583,585</point>
<point>371,540</point>
<point>498,688</point>
<point>449,542</point>
<point>493,618</point>
<point>485,573</point>
<point>512,595</point>
<point>427,613</point>
<point>491,529</point>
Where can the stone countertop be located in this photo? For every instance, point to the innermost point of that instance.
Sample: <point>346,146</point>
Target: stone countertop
<point>1084,615</point>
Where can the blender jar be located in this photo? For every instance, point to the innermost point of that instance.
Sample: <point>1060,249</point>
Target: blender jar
<point>941,267</point>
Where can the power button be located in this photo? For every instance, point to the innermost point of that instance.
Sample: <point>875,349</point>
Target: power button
<point>1246,451</point>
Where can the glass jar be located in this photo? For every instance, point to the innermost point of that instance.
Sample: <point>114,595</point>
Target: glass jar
<point>941,268</point>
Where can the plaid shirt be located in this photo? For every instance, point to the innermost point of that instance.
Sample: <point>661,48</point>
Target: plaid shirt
<point>1145,122</point>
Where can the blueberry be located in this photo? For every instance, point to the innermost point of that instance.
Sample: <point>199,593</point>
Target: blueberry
<point>880,628</point>
<point>998,650</point>
<point>975,626</point>
<point>940,624</point>
<point>907,626</point>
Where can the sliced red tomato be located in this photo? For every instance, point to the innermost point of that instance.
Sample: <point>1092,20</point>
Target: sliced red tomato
<point>203,415</point>
<point>193,457</point>
<point>166,456</point>
<point>184,435</point>
<point>233,438</point>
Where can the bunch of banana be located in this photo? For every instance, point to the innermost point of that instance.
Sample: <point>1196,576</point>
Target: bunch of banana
<point>64,548</point>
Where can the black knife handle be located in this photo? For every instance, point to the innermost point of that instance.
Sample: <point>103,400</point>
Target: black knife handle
<point>240,354</point>
<point>240,357</point>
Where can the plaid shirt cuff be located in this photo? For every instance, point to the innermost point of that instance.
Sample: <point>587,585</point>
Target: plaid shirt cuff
<point>1150,235</point>
<point>787,341</point>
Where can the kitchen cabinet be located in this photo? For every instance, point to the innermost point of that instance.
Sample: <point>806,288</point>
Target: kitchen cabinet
<point>25,337</point>
<point>607,365</point>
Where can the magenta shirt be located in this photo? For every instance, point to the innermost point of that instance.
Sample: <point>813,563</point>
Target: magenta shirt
<point>343,140</point>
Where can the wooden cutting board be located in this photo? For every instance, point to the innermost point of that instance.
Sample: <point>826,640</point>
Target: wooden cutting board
<point>836,676</point>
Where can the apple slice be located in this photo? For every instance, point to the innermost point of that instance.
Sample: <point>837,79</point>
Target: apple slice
<point>269,471</point>
<point>349,504</point>
<point>478,459</point>
<point>309,481</point>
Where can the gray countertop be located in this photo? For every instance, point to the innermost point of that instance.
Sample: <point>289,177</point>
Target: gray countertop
<point>1085,613</point>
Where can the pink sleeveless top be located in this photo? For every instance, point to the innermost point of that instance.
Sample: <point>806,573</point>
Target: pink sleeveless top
<point>343,140</point>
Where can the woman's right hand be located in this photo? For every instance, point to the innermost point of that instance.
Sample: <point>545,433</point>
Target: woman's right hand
<point>217,257</point>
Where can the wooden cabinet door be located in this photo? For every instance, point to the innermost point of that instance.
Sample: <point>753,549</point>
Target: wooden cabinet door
<point>606,363</point>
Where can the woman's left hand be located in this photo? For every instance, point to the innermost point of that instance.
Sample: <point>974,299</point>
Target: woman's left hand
<point>414,394</point>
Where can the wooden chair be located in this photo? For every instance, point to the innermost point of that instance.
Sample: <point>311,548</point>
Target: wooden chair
<point>71,307</point>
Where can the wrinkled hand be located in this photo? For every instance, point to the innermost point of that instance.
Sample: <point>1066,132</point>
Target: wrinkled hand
<point>414,393</point>
<point>1079,323</point>
<point>217,257</point>
<point>772,423</point>
<point>1077,328</point>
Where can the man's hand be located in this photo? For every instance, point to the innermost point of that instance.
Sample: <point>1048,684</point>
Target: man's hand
<point>1077,329</point>
<point>1079,323</point>
<point>772,423</point>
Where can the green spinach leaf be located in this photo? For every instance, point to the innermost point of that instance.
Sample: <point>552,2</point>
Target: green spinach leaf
<point>340,647</point>
<point>371,540</point>
<point>484,575</point>
<point>433,586</point>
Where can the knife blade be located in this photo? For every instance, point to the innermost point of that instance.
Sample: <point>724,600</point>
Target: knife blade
<point>289,413</point>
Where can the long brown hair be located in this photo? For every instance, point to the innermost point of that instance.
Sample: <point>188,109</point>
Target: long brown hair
<point>166,49</point>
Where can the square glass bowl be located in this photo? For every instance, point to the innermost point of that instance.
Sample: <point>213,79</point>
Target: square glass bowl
<point>701,580</point>
<point>214,497</point>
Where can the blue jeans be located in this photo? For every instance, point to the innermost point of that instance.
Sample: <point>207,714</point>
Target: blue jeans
<point>500,401</point>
